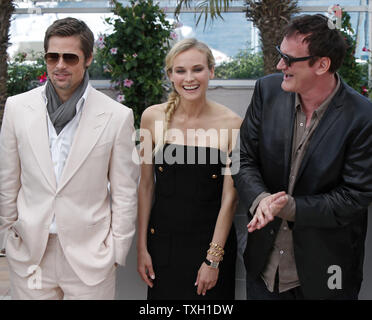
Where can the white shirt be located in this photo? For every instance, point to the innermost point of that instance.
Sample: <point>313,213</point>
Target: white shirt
<point>60,145</point>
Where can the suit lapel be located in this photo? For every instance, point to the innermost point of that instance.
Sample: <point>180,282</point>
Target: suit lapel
<point>94,119</point>
<point>287,122</point>
<point>328,120</point>
<point>37,131</point>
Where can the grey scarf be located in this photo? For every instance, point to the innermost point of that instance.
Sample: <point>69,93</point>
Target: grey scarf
<point>61,113</point>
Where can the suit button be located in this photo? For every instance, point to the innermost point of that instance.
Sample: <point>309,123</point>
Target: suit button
<point>152,230</point>
<point>271,231</point>
<point>161,169</point>
<point>214,176</point>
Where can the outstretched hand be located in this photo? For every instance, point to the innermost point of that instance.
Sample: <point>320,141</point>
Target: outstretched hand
<point>267,209</point>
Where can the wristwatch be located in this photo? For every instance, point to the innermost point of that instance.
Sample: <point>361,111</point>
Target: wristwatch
<point>211,263</point>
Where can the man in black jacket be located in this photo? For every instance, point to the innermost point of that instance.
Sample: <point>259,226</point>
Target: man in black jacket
<point>305,175</point>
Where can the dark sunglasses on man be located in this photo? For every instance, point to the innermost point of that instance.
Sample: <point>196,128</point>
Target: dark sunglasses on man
<point>70,59</point>
<point>288,60</point>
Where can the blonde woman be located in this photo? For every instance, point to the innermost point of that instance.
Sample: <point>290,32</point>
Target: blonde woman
<point>186,242</point>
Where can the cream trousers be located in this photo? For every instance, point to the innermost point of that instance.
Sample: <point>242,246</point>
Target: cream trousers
<point>54,279</point>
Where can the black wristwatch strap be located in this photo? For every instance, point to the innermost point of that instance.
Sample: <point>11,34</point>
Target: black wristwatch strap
<point>213,264</point>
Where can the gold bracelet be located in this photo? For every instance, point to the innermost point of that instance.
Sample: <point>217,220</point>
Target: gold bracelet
<point>215,253</point>
<point>217,247</point>
<point>219,257</point>
<point>219,253</point>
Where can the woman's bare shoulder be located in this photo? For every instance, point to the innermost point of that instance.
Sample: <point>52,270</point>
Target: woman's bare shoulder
<point>155,111</point>
<point>152,114</point>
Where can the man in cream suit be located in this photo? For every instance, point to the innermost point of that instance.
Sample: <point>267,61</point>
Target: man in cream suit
<point>68,183</point>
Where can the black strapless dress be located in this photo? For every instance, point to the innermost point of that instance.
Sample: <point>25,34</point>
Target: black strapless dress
<point>188,192</point>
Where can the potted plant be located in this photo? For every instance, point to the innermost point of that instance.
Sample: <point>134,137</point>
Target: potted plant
<point>134,53</point>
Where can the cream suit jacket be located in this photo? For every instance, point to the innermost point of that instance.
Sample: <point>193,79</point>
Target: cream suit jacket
<point>95,203</point>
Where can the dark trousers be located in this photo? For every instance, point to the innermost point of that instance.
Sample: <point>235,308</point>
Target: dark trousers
<point>257,290</point>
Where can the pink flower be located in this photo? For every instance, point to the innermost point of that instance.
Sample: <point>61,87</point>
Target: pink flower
<point>173,35</point>
<point>134,55</point>
<point>364,91</point>
<point>42,78</point>
<point>114,50</point>
<point>101,39</point>
<point>366,49</point>
<point>101,42</point>
<point>128,83</point>
<point>120,98</point>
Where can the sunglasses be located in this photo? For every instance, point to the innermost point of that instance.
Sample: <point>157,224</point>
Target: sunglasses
<point>70,59</point>
<point>288,60</point>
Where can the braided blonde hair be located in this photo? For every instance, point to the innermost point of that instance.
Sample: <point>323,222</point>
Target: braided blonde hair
<point>174,97</point>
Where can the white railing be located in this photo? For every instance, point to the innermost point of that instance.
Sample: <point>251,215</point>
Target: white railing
<point>34,9</point>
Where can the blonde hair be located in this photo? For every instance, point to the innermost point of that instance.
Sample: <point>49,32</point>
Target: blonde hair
<point>173,97</point>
